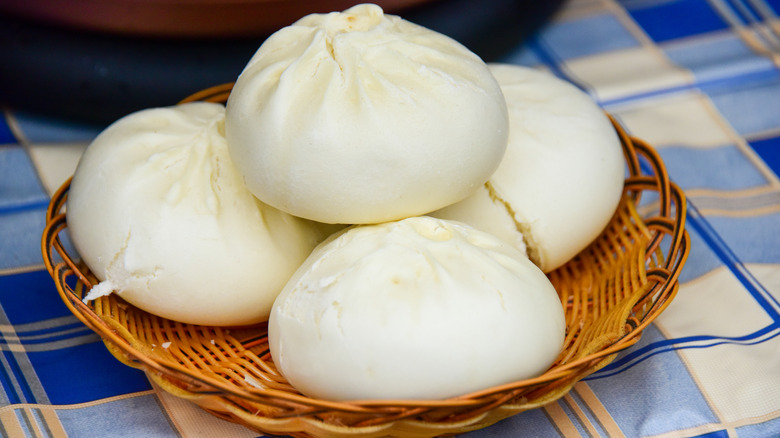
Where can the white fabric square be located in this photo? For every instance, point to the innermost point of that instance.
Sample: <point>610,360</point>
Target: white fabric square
<point>193,422</point>
<point>686,119</point>
<point>56,163</point>
<point>628,72</point>
<point>740,376</point>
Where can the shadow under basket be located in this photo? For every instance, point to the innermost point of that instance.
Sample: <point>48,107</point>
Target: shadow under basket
<point>611,292</point>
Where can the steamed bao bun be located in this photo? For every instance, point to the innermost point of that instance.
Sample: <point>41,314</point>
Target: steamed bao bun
<point>360,117</point>
<point>159,213</point>
<point>420,308</point>
<point>561,178</point>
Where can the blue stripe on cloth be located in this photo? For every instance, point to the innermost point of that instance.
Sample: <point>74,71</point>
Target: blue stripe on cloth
<point>140,414</point>
<point>27,423</point>
<point>714,85</point>
<point>523,55</point>
<point>665,20</point>
<point>769,428</point>
<point>745,106</point>
<point>39,129</point>
<point>534,420</point>
<point>746,12</point>
<point>604,33</point>
<point>51,330</point>
<point>21,231</point>
<point>60,360</point>
<point>6,136</point>
<point>711,252</point>
<point>701,258</point>
<point>642,388</point>
<point>575,401</point>
<point>716,434</point>
<point>21,296</point>
<point>718,58</point>
<point>642,352</point>
<point>692,168</point>
<point>754,247</point>
<point>6,384</point>
<point>85,372</point>
<point>20,187</point>
<point>545,56</point>
<point>769,151</point>
<point>571,413</point>
<point>753,240</point>
<point>749,11</point>
<point>749,20</point>
<point>742,240</point>
<point>19,382</point>
<point>14,383</point>
<point>773,4</point>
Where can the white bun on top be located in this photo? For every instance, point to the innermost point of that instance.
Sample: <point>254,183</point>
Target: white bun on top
<point>361,117</point>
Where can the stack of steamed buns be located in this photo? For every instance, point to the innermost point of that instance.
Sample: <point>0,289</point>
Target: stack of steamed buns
<point>387,202</point>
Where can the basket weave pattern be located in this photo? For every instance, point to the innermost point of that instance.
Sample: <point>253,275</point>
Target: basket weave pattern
<point>611,292</point>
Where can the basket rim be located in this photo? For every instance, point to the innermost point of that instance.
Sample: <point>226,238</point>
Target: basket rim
<point>646,173</point>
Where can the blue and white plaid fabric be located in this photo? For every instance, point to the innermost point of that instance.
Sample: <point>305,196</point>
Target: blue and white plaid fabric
<point>698,79</point>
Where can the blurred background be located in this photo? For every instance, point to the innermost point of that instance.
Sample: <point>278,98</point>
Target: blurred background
<point>97,60</point>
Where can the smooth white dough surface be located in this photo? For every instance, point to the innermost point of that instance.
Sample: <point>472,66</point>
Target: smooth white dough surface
<point>160,215</point>
<point>420,308</point>
<point>561,178</point>
<point>361,117</point>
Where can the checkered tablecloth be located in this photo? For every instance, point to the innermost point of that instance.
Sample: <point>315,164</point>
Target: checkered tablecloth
<point>698,79</point>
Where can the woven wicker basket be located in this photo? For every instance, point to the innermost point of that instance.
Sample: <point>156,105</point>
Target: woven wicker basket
<point>611,292</point>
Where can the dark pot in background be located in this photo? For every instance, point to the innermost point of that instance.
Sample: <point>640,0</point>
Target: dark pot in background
<point>98,60</point>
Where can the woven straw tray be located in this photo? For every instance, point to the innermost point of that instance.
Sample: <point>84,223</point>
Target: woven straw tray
<point>611,292</point>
